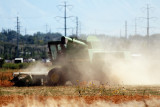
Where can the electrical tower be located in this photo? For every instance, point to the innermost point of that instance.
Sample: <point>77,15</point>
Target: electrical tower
<point>18,32</point>
<point>148,20</point>
<point>148,23</point>
<point>77,26</point>
<point>65,17</point>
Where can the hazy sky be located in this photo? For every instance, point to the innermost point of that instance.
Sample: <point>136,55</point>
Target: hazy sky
<point>95,16</point>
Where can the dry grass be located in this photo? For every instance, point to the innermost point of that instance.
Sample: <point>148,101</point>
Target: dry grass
<point>82,90</point>
<point>90,94</point>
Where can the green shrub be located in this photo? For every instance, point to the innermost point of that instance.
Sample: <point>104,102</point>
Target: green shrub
<point>15,66</point>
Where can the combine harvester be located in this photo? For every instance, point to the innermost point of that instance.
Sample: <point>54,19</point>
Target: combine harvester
<point>72,60</point>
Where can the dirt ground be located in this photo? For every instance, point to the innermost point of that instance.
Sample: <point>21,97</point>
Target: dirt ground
<point>5,78</point>
<point>17,96</point>
<point>64,95</point>
<point>117,99</point>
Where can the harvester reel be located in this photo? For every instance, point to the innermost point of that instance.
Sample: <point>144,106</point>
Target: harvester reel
<point>56,77</point>
<point>26,81</point>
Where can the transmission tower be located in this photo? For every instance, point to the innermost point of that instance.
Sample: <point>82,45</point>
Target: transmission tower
<point>77,26</point>
<point>18,32</point>
<point>148,20</point>
<point>65,17</point>
<point>148,23</point>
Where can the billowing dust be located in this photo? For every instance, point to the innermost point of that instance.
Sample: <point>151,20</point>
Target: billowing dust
<point>38,67</point>
<point>132,69</point>
<point>50,102</point>
<point>136,68</point>
<point>134,65</point>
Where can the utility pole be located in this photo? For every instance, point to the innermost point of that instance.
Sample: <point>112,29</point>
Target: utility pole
<point>148,27</point>
<point>126,29</point>
<point>77,26</point>
<point>3,46</point>
<point>65,17</point>
<point>18,32</point>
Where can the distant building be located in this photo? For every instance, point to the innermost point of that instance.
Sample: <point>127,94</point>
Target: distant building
<point>18,60</point>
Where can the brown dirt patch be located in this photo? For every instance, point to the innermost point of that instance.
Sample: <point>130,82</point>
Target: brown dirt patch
<point>5,78</point>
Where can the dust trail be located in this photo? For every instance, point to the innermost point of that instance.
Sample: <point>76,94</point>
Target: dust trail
<point>27,102</point>
<point>134,66</point>
<point>127,64</point>
<point>37,67</point>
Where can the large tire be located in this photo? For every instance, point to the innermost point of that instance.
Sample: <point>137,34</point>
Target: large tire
<point>28,81</point>
<point>56,77</point>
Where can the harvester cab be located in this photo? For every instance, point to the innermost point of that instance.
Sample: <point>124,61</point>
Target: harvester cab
<point>68,49</point>
<point>66,55</point>
<point>56,49</point>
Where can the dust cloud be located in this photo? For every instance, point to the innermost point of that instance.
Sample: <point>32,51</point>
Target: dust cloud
<point>27,102</point>
<point>37,67</point>
<point>123,63</point>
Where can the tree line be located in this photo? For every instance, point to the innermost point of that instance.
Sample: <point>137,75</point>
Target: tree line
<point>30,46</point>
<point>35,46</point>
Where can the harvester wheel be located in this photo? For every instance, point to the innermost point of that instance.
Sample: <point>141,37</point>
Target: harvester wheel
<point>55,77</point>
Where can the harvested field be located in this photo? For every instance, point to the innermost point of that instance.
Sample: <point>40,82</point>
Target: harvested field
<point>6,76</point>
<point>59,101</point>
<point>79,96</point>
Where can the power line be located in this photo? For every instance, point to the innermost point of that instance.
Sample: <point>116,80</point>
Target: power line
<point>18,32</point>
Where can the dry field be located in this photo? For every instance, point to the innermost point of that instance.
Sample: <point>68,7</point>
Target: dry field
<point>5,78</point>
<point>80,95</point>
<point>12,96</point>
